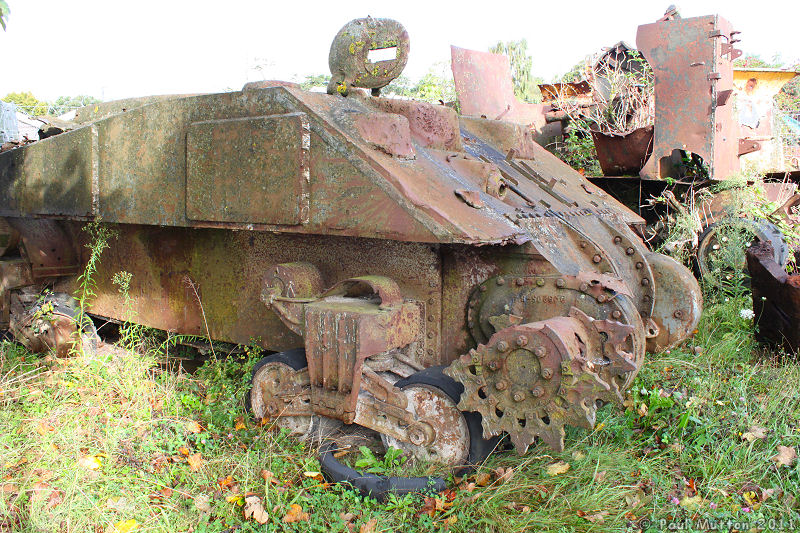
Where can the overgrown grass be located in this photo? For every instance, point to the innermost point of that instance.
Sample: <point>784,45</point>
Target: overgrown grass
<point>89,442</point>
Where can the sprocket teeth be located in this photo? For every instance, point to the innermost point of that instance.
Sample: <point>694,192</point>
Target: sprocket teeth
<point>530,380</point>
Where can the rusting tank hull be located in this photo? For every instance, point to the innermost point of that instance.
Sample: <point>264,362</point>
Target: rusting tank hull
<point>380,237</point>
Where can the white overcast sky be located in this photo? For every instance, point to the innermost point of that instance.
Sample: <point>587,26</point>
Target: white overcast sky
<point>113,49</point>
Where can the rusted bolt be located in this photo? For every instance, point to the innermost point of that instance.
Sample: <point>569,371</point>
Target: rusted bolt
<point>617,239</point>
<point>597,258</point>
<point>502,346</point>
<point>519,396</point>
<point>501,281</point>
<point>493,365</point>
<point>616,314</point>
<point>539,282</point>
<point>583,244</point>
<point>416,437</point>
<point>522,340</point>
<point>560,283</point>
<point>630,251</point>
<point>547,373</point>
<point>501,385</point>
<point>538,392</point>
<point>584,287</point>
<point>540,351</point>
<point>678,314</point>
<point>645,282</point>
<point>519,281</point>
<point>601,297</point>
<point>639,265</point>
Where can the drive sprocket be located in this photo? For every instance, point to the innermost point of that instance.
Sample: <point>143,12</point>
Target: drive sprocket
<point>530,380</point>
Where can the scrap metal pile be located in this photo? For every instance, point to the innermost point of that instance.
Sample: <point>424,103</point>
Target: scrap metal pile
<point>438,279</point>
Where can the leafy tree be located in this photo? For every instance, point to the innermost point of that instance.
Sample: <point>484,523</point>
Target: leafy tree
<point>28,103</point>
<point>435,86</point>
<point>315,80</point>
<point>64,104</point>
<point>574,74</point>
<point>525,83</point>
<point>4,11</point>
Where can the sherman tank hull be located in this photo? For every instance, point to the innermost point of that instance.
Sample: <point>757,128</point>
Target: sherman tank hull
<point>382,238</point>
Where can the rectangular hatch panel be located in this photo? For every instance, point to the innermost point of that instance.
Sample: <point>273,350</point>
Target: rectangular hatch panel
<point>248,170</point>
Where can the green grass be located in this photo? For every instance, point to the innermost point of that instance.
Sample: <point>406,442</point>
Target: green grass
<point>684,457</point>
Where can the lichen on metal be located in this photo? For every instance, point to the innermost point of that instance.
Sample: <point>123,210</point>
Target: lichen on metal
<point>376,245</point>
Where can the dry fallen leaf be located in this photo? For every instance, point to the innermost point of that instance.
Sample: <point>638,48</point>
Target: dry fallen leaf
<point>315,475</point>
<point>504,475</point>
<point>239,423</point>
<point>195,461</point>
<point>642,409</point>
<point>594,517</point>
<point>483,478</point>
<point>124,527</point>
<point>235,498</point>
<point>184,450</point>
<point>203,503</point>
<point>369,526</point>
<point>557,468</point>
<point>599,476</point>
<point>578,455</point>
<point>785,456</point>
<point>754,433</point>
<point>225,482</point>
<point>194,427</point>
<point>55,498</point>
<point>91,462</point>
<point>296,514</point>
<point>269,477</point>
<point>43,428</point>
<point>254,509</point>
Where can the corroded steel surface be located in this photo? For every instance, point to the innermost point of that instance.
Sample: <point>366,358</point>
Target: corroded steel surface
<point>530,380</point>
<point>679,305</point>
<point>484,88</point>
<point>384,236</point>
<point>620,155</point>
<point>692,60</point>
<point>776,299</point>
<point>351,56</point>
